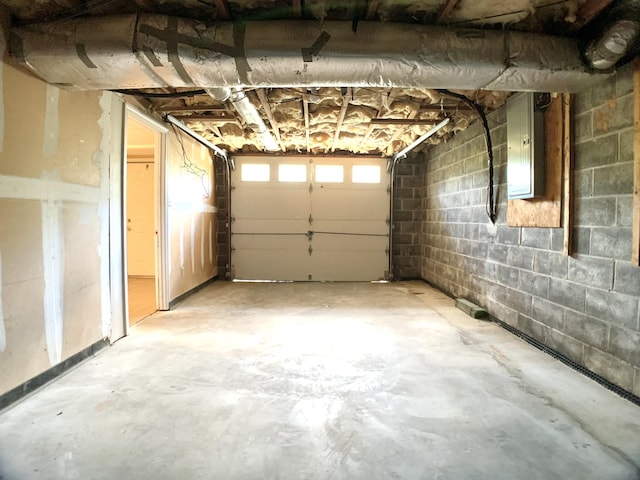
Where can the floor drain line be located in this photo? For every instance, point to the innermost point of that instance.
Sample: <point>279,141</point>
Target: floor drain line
<point>567,361</point>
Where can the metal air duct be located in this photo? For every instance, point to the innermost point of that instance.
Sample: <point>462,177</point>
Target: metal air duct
<point>151,51</point>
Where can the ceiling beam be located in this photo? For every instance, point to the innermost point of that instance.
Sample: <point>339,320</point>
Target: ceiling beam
<point>190,108</point>
<point>588,11</point>
<point>372,9</point>
<point>396,135</point>
<point>223,9</point>
<point>401,121</point>
<point>297,8</point>
<point>445,10</point>
<point>275,128</point>
<point>206,118</point>
<point>305,108</point>
<point>343,113</point>
<point>145,5</point>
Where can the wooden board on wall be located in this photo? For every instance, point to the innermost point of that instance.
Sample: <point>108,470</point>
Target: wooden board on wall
<point>544,211</point>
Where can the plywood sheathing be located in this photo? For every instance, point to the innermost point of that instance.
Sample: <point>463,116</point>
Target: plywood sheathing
<point>545,211</point>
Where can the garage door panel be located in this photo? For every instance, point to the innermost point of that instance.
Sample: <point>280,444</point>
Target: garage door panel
<point>347,266</point>
<point>363,204</point>
<point>372,227</point>
<point>271,226</point>
<point>259,265</point>
<point>271,242</point>
<point>271,203</point>
<point>334,243</point>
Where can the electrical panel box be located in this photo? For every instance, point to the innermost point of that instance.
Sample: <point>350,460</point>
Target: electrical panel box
<point>525,143</point>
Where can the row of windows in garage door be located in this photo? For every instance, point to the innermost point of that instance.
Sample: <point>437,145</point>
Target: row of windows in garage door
<point>299,173</point>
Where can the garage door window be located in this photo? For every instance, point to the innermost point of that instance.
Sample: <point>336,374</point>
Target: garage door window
<point>365,174</point>
<point>255,172</point>
<point>292,173</point>
<point>329,173</point>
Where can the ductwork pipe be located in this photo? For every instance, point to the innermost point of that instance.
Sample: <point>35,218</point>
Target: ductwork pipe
<point>150,51</point>
<point>616,41</point>
<point>248,112</point>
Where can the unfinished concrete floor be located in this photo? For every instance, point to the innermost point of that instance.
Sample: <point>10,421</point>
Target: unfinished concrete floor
<point>320,381</point>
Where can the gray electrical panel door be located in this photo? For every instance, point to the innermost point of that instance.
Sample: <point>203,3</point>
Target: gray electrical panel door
<point>525,142</point>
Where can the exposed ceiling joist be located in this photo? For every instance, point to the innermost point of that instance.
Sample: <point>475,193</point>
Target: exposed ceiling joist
<point>191,108</point>
<point>275,128</point>
<point>446,9</point>
<point>297,8</point>
<point>394,138</point>
<point>145,5</point>
<point>305,107</point>
<point>223,9</point>
<point>588,11</point>
<point>206,118</point>
<point>346,98</point>
<point>400,121</point>
<point>372,9</point>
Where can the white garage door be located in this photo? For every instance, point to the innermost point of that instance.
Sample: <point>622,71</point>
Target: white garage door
<point>302,218</point>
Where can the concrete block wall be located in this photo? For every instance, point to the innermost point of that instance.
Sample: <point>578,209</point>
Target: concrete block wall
<point>586,306</point>
<point>221,203</point>
<point>407,218</point>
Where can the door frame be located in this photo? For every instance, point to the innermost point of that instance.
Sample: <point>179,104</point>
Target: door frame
<point>160,210</point>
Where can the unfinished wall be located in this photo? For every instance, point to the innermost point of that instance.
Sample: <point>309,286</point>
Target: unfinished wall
<point>223,212</point>
<point>191,195</point>
<point>585,306</point>
<point>407,217</point>
<point>54,214</point>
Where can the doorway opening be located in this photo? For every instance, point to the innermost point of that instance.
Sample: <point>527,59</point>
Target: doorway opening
<point>143,207</point>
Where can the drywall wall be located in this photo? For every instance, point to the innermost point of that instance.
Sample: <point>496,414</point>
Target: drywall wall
<point>585,306</point>
<point>192,214</point>
<point>54,211</point>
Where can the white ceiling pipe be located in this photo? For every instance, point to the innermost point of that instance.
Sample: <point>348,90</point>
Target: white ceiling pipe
<point>248,112</point>
<point>152,51</point>
<point>403,153</point>
<point>197,137</point>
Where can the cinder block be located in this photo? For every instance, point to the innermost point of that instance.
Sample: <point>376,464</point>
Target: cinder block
<point>626,146</point>
<point>497,252</point>
<point>557,239</point>
<point>520,257</point>
<point>587,329</point>
<point>507,275</point>
<point>591,271</point>
<point>569,347</point>
<point>595,211</point>
<point>519,301</point>
<point>636,384</point>
<point>535,329</point>
<point>567,294</point>
<point>625,344</point>
<point>582,240</point>
<point>583,126</point>
<point>614,115</point>
<point>549,263</point>
<point>611,242</point>
<point>536,285</point>
<point>583,183</point>
<point>548,313</point>
<point>615,308</point>
<point>508,235</point>
<point>624,211</point>
<point>536,237</point>
<point>627,280</point>
<point>596,153</point>
<point>613,180</point>
<point>617,371</point>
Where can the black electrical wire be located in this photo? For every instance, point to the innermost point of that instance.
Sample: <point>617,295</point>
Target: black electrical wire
<point>491,202</point>
<point>140,93</point>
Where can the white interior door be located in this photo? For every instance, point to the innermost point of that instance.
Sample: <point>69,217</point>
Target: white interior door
<point>304,218</point>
